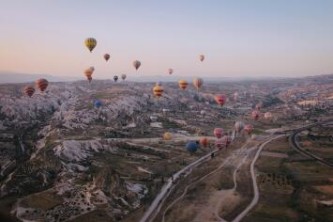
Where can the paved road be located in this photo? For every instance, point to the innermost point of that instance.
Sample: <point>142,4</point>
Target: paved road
<point>164,193</point>
<point>254,182</point>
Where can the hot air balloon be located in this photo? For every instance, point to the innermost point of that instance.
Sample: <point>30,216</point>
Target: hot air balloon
<point>158,91</point>
<point>167,136</point>
<point>226,140</point>
<point>92,68</point>
<point>90,43</point>
<point>248,128</point>
<point>29,90</point>
<point>220,99</point>
<point>255,114</point>
<point>88,73</point>
<point>106,56</point>
<point>170,71</point>
<point>218,132</point>
<point>182,84</point>
<point>219,144</point>
<point>123,76</point>
<point>268,115</point>
<point>202,58</point>
<point>136,64</point>
<point>239,125</point>
<point>204,141</point>
<point>235,96</point>
<point>197,82</point>
<point>192,146</point>
<point>115,78</point>
<point>42,84</point>
<point>97,103</point>
<point>258,106</point>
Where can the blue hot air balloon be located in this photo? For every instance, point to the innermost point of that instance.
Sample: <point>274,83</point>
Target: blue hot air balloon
<point>192,146</point>
<point>97,103</point>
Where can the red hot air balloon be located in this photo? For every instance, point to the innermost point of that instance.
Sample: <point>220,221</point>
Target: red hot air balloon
<point>255,114</point>
<point>218,132</point>
<point>106,56</point>
<point>220,99</point>
<point>42,84</point>
<point>219,144</point>
<point>248,128</point>
<point>204,142</point>
<point>29,90</point>
<point>136,64</point>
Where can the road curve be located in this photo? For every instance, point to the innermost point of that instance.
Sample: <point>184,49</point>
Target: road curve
<point>254,182</point>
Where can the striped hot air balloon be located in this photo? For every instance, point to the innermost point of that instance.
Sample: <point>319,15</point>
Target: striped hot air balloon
<point>90,43</point>
<point>42,84</point>
<point>29,90</point>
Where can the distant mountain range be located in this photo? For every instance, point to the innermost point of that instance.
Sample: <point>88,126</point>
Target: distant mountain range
<point>12,77</point>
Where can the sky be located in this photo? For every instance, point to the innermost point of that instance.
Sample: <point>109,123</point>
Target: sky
<point>243,38</point>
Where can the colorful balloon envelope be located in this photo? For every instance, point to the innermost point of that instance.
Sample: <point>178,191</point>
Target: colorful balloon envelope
<point>248,128</point>
<point>106,56</point>
<point>192,146</point>
<point>90,43</point>
<point>42,84</point>
<point>255,114</point>
<point>88,73</point>
<point>29,90</point>
<point>204,141</point>
<point>239,125</point>
<point>218,132</point>
<point>220,99</point>
<point>136,64</point>
<point>219,144</point>
<point>167,136</point>
<point>197,82</point>
<point>158,91</point>
<point>182,84</point>
<point>97,103</point>
<point>268,115</point>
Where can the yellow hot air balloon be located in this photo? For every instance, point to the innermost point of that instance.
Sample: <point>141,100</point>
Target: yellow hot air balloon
<point>90,43</point>
<point>197,82</point>
<point>167,136</point>
<point>182,84</point>
<point>158,91</point>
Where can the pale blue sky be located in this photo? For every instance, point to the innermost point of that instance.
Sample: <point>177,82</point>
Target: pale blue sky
<point>239,38</point>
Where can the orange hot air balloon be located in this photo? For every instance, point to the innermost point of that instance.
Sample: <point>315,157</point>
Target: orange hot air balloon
<point>197,82</point>
<point>29,90</point>
<point>202,58</point>
<point>255,114</point>
<point>106,56</point>
<point>42,84</point>
<point>136,64</point>
<point>218,132</point>
<point>158,91</point>
<point>182,84</point>
<point>167,136</point>
<point>248,128</point>
<point>170,71</point>
<point>220,99</point>
<point>90,43</point>
<point>204,142</point>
